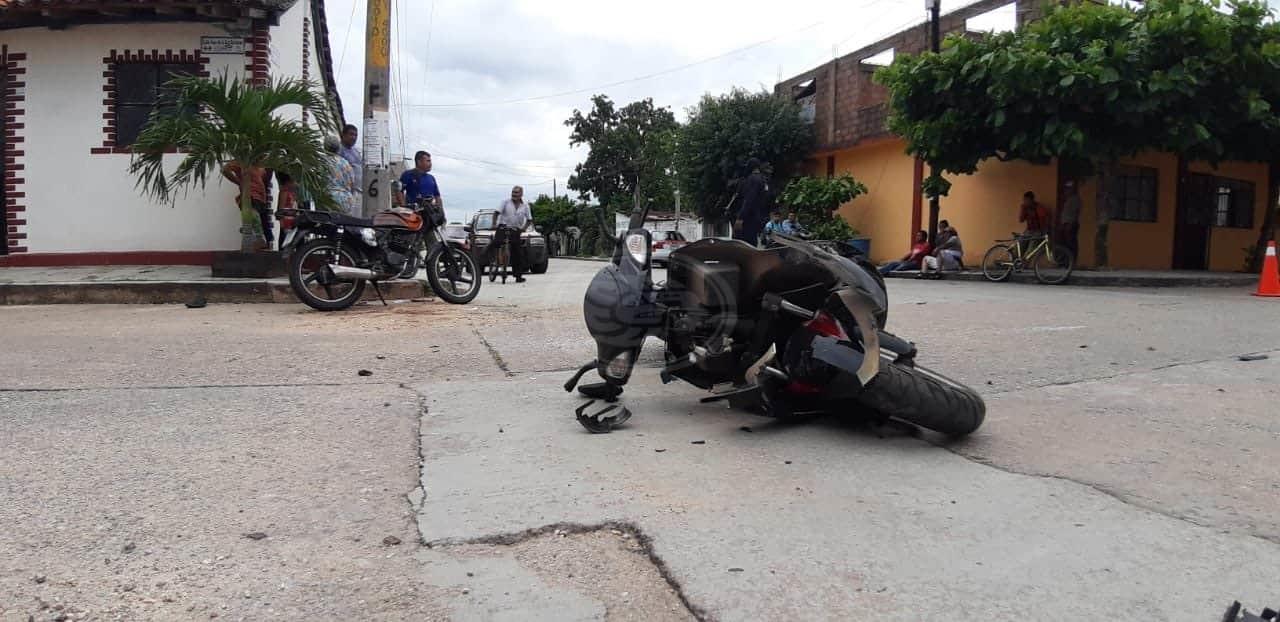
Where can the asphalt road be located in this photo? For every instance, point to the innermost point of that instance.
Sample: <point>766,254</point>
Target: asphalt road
<point>164,463</point>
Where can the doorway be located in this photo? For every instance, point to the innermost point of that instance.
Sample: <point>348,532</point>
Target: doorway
<point>1196,207</point>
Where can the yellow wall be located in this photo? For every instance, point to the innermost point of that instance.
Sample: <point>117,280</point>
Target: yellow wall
<point>1226,245</point>
<point>983,207</point>
<point>884,213</point>
<point>1135,245</point>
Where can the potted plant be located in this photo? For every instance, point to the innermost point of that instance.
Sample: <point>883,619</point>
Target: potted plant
<point>222,120</point>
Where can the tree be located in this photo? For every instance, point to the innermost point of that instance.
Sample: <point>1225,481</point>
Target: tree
<point>554,215</point>
<point>221,120</point>
<point>629,154</point>
<point>816,200</point>
<point>724,132</point>
<point>1090,84</point>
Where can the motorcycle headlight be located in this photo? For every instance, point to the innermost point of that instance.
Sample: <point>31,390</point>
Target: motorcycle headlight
<point>638,248</point>
<point>620,366</point>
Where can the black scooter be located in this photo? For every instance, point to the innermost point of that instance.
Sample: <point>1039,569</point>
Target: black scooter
<point>793,330</point>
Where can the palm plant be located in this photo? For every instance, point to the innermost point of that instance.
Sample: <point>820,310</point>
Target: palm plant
<point>216,121</point>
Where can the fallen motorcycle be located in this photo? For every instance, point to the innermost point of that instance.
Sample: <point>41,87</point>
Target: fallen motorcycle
<point>331,256</point>
<point>788,331</point>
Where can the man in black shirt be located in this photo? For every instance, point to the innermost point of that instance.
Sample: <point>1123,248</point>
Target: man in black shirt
<point>753,210</point>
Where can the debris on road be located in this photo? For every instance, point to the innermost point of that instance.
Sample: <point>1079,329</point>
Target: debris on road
<point>746,428</point>
<point>199,302</point>
<point>129,547</point>
<point>698,443</point>
<point>735,570</point>
<point>364,372</point>
<point>40,578</point>
<point>1252,357</point>
<point>391,541</point>
<point>659,450</point>
<point>257,535</point>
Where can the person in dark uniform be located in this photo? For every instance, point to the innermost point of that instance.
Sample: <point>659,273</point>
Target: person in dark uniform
<point>753,210</point>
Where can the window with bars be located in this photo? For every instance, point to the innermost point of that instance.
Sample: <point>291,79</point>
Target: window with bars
<point>1133,192</point>
<point>139,91</point>
<point>1233,203</point>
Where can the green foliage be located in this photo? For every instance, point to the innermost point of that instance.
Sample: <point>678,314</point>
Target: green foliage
<point>836,228</point>
<point>554,215</point>
<point>816,200</point>
<point>227,120</point>
<point>935,186</point>
<point>629,148</point>
<point>723,133</point>
<point>1092,83</point>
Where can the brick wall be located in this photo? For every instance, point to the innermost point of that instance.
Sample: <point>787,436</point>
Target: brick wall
<point>116,58</point>
<point>849,106</point>
<point>12,99</point>
<point>258,53</point>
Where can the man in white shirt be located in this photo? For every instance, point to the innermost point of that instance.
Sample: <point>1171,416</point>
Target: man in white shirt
<point>514,218</point>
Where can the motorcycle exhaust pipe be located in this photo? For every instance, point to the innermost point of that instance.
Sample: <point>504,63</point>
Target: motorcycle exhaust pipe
<point>347,273</point>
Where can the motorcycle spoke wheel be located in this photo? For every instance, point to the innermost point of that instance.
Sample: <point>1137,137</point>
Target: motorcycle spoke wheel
<point>315,262</point>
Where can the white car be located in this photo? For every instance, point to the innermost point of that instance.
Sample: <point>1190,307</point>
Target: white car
<point>663,243</point>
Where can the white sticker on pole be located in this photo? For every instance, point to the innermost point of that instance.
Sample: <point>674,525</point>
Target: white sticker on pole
<point>377,137</point>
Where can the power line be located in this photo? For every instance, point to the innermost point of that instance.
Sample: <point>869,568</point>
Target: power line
<point>426,61</point>
<point>655,74</point>
<point>347,39</point>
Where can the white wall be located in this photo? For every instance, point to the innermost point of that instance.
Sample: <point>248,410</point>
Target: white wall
<point>81,202</point>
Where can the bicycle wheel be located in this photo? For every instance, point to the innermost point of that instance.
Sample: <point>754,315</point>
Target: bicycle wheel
<point>998,263</point>
<point>1053,266</point>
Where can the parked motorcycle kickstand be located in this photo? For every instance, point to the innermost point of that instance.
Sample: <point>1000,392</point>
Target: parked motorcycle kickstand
<point>378,289</point>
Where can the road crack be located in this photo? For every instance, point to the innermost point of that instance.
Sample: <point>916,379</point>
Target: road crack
<point>493,352</point>
<point>631,529</point>
<point>1125,374</point>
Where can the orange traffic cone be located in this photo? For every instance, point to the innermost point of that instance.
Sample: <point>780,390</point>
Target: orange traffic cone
<point>1269,282</point>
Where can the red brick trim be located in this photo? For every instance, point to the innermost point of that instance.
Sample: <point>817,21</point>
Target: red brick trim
<point>306,56</point>
<point>124,258</point>
<point>258,53</point>
<point>12,98</point>
<point>125,57</point>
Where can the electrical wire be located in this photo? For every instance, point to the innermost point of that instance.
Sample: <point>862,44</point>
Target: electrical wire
<point>346,39</point>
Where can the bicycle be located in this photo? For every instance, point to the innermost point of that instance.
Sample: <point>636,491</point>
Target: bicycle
<point>1052,265</point>
<point>501,265</point>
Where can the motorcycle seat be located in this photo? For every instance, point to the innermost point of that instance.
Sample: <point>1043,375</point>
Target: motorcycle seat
<point>756,272</point>
<point>349,221</point>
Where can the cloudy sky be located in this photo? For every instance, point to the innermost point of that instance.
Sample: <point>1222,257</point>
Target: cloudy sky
<point>455,63</point>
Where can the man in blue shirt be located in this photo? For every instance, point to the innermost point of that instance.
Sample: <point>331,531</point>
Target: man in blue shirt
<point>418,182</point>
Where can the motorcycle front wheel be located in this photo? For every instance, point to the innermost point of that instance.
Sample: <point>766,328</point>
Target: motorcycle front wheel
<point>925,398</point>
<point>313,283</point>
<point>453,275</point>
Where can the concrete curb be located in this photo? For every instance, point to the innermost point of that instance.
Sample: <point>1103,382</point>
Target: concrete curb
<point>173,292</point>
<point>1107,279</point>
<point>583,258</point>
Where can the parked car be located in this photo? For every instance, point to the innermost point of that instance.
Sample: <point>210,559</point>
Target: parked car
<point>456,234</point>
<point>483,225</point>
<point>663,243</point>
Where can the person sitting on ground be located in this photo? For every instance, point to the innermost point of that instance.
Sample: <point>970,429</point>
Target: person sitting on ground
<point>910,261</point>
<point>947,255</point>
<point>773,226</point>
<point>791,226</point>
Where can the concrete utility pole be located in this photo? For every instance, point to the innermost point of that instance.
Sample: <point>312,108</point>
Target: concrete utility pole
<point>935,44</point>
<point>377,112</point>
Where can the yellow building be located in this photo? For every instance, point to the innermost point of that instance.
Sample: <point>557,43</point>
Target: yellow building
<point>1166,214</point>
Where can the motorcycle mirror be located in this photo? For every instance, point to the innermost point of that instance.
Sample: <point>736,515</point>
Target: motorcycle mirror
<point>468,229</point>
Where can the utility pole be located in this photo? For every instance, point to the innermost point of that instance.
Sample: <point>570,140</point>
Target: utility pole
<point>554,196</point>
<point>377,113</point>
<point>935,44</point>
<point>677,194</point>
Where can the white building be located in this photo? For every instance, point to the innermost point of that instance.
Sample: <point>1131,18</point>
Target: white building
<point>77,80</point>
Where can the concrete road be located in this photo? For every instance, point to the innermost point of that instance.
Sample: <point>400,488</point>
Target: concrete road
<point>165,463</point>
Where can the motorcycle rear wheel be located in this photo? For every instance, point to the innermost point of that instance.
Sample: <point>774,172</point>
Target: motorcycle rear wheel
<point>304,276</point>
<point>925,398</point>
